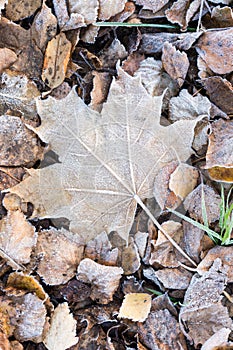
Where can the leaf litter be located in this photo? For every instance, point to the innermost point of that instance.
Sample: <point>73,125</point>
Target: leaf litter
<point>132,136</point>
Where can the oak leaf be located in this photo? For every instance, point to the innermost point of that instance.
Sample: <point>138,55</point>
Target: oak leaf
<point>107,162</point>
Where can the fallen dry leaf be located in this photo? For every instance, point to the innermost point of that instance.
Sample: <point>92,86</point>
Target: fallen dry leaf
<point>215,48</point>
<point>219,156</point>
<point>44,27</point>
<point>161,329</point>
<point>192,240</point>
<point>10,176</point>
<point>182,11</point>
<point>110,8</point>
<point>7,57</point>
<point>175,63</point>
<point>163,253</point>
<point>62,332</point>
<point>154,6</point>
<point>112,54</point>
<point>87,10</point>
<point>217,339</point>
<point>19,145</point>
<point>101,84</point>
<point>186,106</point>
<point>174,278</point>
<point>141,239</point>
<point>135,306</point>
<point>104,280</point>
<point>17,94</point>
<point>156,80</point>
<point>107,163</point>
<point>222,17</point>
<point>226,256</point>
<point>56,59</point>
<point>21,10</point>
<point>162,193</point>
<point>183,180</point>
<point>100,250</point>
<point>55,266</point>
<point>202,305</point>
<point>129,258</point>
<point>4,342</point>
<point>17,237</point>
<point>192,203</point>
<point>220,92</point>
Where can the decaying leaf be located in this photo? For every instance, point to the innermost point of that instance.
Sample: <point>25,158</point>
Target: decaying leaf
<point>163,252</point>
<point>193,201</point>
<point>17,94</point>
<point>19,145</point>
<point>174,278</point>
<point>186,106</point>
<point>183,180</point>
<point>56,266</point>
<point>182,11</point>
<point>100,250</point>
<point>215,48</point>
<point>88,10</point>
<point>156,80</point>
<point>104,280</point>
<point>23,9</point>
<point>7,57</point>
<point>10,176</point>
<point>220,92</point>
<point>154,6</point>
<point>44,27</point>
<point>222,16</point>
<point>219,156</point>
<point>162,193</point>
<point>110,8</point>
<point>62,332</point>
<point>192,240</point>
<point>129,258</point>
<point>226,256</point>
<point>202,305</point>
<point>219,338</point>
<point>101,83</point>
<point>31,314</point>
<point>107,162</point>
<point>161,329</point>
<point>17,237</point>
<point>56,59</point>
<point>110,55</point>
<point>135,306</point>
<point>175,63</point>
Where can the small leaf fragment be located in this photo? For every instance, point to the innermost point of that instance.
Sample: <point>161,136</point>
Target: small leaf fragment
<point>135,306</point>
<point>62,332</point>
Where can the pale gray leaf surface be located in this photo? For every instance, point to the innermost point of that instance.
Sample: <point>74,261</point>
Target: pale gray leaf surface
<point>108,160</point>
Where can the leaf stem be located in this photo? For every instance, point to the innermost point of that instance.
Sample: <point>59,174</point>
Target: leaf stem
<point>157,224</point>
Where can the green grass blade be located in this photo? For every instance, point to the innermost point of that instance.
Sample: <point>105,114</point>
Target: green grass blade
<point>151,25</point>
<point>210,232</point>
<point>222,210</point>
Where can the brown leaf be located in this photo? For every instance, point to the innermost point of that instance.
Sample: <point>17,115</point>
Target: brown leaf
<point>20,281</point>
<point>226,256</point>
<point>163,252</point>
<point>7,57</point>
<point>154,6</point>
<point>21,10</point>
<point>222,16</point>
<point>183,180</point>
<point>129,258</point>
<point>215,48</point>
<point>10,177</point>
<point>161,329</point>
<point>202,305</point>
<point>192,240</point>
<point>182,11</point>
<point>132,63</point>
<point>220,92</point>
<point>174,278</point>
<point>162,193</point>
<point>218,340</point>
<point>56,59</point>
<point>55,265</point>
<point>116,51</point>
<point>62,332</point>
<point>100,250</point>
<point>104,280</point>
<point>110,8</point>
<point>17,95</point>
<point>109,181</point>
<point>4,342</point>
<point>19,145</point>
<point>88,10</point>
<point>135,306</point>
<point>101,84</point>
<point>44,27</point>
<point>175,63</point>
<point>219,156</point>
<point>193,202</point>
<point>17,237</point>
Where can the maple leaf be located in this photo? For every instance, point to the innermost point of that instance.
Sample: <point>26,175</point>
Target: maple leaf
<point>108,161</point>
